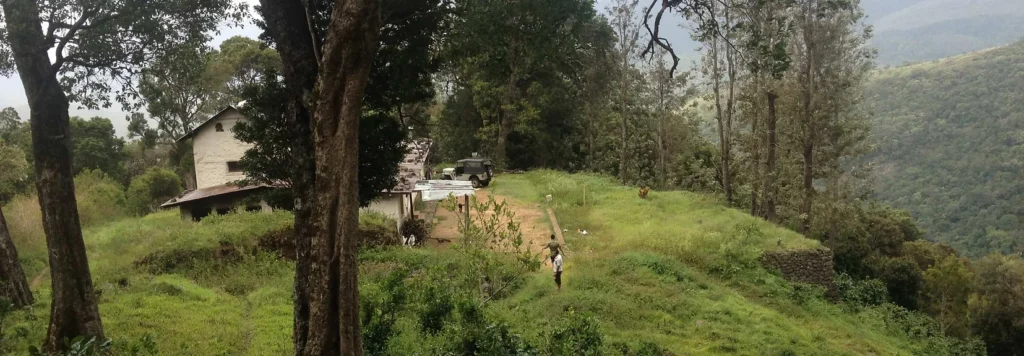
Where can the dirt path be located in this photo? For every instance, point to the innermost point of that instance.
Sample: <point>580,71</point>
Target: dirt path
<point>536,230</point>
<point>38,279</point>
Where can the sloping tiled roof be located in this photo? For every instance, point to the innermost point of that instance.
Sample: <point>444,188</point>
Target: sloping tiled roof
<point>208,192</point>
<point>411,168</point>
<point>196,129</point>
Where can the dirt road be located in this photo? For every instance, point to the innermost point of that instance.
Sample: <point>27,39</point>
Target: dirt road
<point>531,218</point>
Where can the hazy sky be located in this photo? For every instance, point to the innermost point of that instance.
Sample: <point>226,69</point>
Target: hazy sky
<point>12,94</point>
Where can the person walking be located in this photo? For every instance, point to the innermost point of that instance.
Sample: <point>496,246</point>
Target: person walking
<point>556,265</point>
<point>554,247</point>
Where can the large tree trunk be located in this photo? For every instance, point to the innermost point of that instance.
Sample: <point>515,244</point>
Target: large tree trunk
<point>287,25</point>
<point>771,188</point>
<point>13,285</point>
<point>73,309</point>
<point>347,59</point>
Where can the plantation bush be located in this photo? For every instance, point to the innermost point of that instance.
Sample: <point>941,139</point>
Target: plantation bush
<point>149,190</point>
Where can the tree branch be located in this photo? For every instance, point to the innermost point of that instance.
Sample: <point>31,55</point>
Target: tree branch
<point>655,39</point>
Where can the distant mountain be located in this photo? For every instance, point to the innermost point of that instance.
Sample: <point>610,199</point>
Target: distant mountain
<point>950,146</point>
<point>924,30</point>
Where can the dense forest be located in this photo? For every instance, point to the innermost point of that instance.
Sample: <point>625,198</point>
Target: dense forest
<point>949,140</point>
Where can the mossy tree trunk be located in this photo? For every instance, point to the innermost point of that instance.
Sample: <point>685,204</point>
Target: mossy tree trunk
<point>287,24</point>
<point>345,69</point>
<point>73,308</point>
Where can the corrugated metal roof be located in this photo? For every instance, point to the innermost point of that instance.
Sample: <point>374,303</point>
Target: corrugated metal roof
<point>410,170</point>
<point>208,192</point>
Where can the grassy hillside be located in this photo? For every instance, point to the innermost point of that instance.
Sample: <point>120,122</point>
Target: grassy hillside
<point>677,270</point>
<point>950,146</point>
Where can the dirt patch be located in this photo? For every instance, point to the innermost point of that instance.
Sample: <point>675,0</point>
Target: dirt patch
<point>536,230</point>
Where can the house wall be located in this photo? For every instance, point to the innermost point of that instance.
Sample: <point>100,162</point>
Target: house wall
<point>213,150</point>
<point>392,205</point>
<point>229,202</point>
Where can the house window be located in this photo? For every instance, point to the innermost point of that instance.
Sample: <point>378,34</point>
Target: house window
<point>234,167</point>
<point>219,127</point>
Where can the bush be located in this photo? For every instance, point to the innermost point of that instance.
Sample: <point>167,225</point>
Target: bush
<point>578,335</point>
<point>100,198</point>
<point>149,190</point>
<point>861,293</point>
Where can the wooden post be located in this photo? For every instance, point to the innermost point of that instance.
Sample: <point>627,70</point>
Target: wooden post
<point>584,195</point>
<point>467,212</point>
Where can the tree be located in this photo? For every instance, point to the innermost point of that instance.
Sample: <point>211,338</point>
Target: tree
<point>627,29</point>
<point>92,42</point>
<point>348,54</point>
<point>831,60</point>
<point>764,36</point>
<point>149,190</point>
<point>381,144</point>
<point>997,305</point>
<point>946,290</point>
<point>717,42</point>
<point>515,56</point>
<point>95,145</point>
<point>13,286</point>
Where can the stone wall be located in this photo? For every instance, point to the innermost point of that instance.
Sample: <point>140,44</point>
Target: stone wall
<point>804,266</point>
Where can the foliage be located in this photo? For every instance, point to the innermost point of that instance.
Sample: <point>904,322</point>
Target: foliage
<point>101,46</point>
<point>861,293</point>
<point>101,199</point>
<point>13,170</point>
<point>491,225</point>
<point>950,136</point>
<point>997,306</point>
<point>269,161</point>
<point>149,190</point>
<point>946,290</point>
<point>97,146</point>
<point>579,335</point>
<point>522,75</point>
<point>379,313</point>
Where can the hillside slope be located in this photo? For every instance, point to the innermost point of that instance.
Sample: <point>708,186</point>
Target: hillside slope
<point>950,146</point>
<point>924,30</point>
<point>677,270</point>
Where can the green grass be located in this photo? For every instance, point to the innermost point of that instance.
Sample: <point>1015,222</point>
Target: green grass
<point>676,269</point>
<point>679,269</point>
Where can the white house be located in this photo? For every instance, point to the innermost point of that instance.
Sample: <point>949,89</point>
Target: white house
<point>216,153</point>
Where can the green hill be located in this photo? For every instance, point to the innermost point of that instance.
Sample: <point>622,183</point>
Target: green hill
<point>950,146</point>
<point>924,30</point>
<point>677,270</point>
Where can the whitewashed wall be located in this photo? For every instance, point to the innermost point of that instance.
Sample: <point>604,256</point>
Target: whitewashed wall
<point>213,150</point>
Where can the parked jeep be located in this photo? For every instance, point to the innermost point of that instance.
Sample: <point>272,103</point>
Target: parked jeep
<point>476,170</point>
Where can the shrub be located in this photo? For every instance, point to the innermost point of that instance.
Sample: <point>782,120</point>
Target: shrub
<point>100,198</point>
<point>861,293</point>
<point>379,312</point>
<point>578,335</point>
<point>149,190</point>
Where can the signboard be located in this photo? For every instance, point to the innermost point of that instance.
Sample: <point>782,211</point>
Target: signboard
<point>440,189</point>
